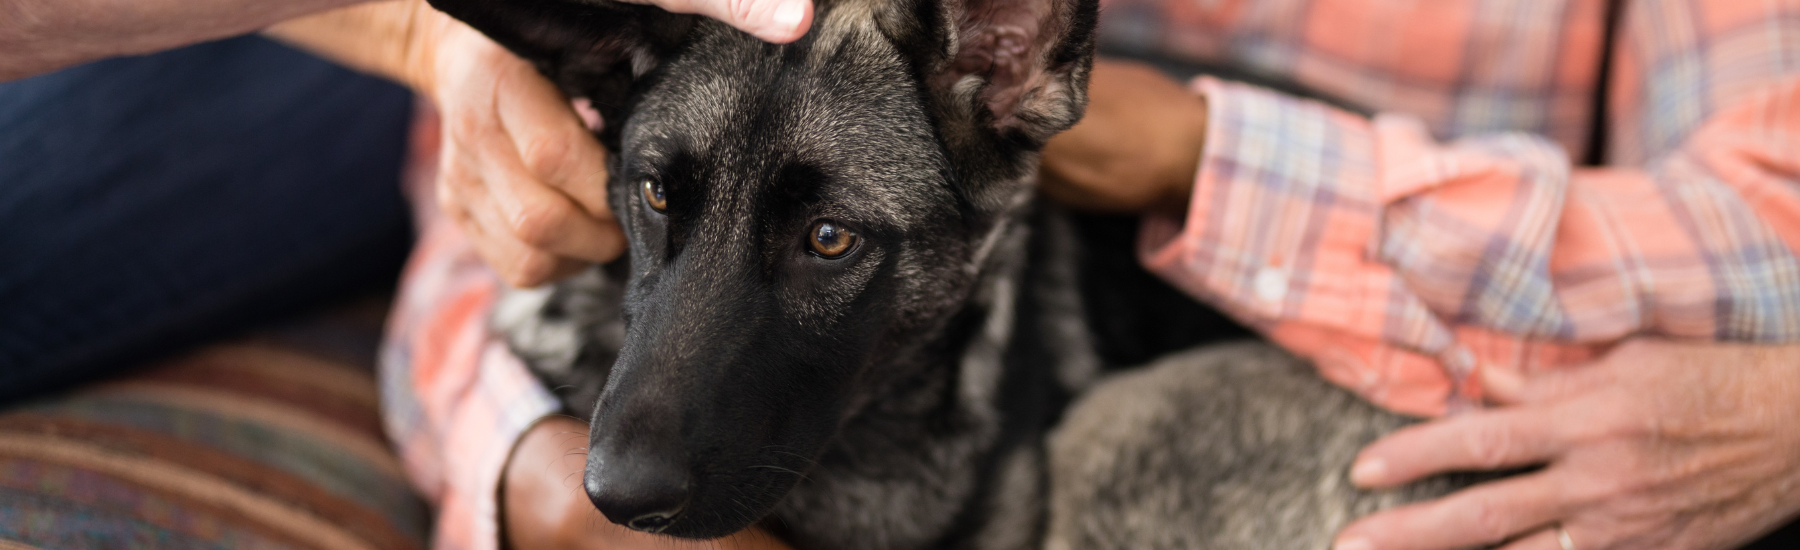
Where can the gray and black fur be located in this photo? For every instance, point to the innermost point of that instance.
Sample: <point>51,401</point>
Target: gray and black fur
<point>898,395</point>
<point>1231,446</point>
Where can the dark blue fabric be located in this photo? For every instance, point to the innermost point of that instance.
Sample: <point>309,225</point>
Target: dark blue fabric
<point>154,202</point>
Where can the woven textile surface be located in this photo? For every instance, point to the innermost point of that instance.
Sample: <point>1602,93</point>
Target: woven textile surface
<point>269,442</point>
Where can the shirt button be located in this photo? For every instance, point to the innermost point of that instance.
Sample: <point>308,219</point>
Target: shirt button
<point>1270,284</point>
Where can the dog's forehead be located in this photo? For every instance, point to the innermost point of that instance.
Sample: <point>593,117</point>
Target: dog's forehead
<point>844,103</point>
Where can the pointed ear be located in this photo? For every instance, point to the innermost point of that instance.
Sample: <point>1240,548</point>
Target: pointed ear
<point>1017,67</point>
<point>589,48</point>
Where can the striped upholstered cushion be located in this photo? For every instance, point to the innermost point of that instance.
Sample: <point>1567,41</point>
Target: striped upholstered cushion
<point>245,446</point>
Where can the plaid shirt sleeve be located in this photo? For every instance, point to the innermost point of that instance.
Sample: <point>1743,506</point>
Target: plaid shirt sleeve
<point>1400,263</point>
<point>454,398</point>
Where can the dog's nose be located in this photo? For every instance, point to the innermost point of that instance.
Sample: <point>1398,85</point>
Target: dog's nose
<point>637,490</point>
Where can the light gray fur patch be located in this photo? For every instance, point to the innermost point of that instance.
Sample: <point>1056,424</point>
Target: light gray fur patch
<point>1236,446</point>
<point>1015,521</point>
<point>569,332</point>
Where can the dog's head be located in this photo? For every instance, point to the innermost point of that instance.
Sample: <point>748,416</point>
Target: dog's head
<point>797,214</point>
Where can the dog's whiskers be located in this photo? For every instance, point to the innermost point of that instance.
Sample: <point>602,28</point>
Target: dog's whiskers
<point>785,450</point>
<point>746,514</point>
<point>782,470</point>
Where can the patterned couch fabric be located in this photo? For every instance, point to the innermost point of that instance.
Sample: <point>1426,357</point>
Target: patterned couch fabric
<point>273,442</point>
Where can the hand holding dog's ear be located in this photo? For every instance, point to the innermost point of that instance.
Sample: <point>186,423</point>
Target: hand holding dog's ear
<point>520,172</point>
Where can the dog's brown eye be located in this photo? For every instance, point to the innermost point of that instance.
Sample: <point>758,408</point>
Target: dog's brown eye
<point>653,195</point>
<point>831,240</point>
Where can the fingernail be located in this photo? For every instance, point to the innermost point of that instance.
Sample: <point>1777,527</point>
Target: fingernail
<point>788,14</point>
<point>589,115</point>
<point>1368,472</point>
<point>1357,543</point>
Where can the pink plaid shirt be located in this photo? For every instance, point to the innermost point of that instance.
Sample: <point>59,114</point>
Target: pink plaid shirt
<point>1450,232</point>
<point>455,400</point>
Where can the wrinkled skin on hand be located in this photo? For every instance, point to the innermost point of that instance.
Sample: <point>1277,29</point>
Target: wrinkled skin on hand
<point>1657,445</point>
<point>520,171</point>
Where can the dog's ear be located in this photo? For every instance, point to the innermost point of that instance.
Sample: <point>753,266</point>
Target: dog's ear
<point>1017,69</point>
<point>589,48</point>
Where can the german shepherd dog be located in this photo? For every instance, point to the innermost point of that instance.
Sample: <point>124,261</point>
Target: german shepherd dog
<point>844,318</point>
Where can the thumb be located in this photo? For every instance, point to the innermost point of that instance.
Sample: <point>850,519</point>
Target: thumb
<point>778,21</point>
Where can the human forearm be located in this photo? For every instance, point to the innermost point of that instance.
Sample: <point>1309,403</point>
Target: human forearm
<point>388,38</point>
<point>38,36</point>
<point>1136,150</point>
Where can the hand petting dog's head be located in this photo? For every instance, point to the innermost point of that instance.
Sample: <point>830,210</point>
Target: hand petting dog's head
<point>799,215</point>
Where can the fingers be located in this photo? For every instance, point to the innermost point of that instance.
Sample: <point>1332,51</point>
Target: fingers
<point>1490,440</point>
<point>778,21</point>
<point>553,141</point>
<point>1480,515</point>
<point>1502,385</point>
<point>1545,539</point>
<point>521,174</point>
<point>521,264</point>
<point>1505,386</point>
<point>554,196</point>
<point>516,263</point>
<point>538,217</point>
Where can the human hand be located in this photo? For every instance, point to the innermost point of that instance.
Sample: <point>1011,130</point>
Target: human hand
<point>777,21</point>
<point>544,507</point>
<point>1136,150</point>
<point>1657,445</point>
<point>520,171</point>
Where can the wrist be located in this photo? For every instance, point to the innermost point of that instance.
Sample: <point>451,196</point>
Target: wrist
<point>534,500</point>
<point>424,34</point>
<point>394,39</point>
<point>1182,161</point>
<point>446,56</point>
